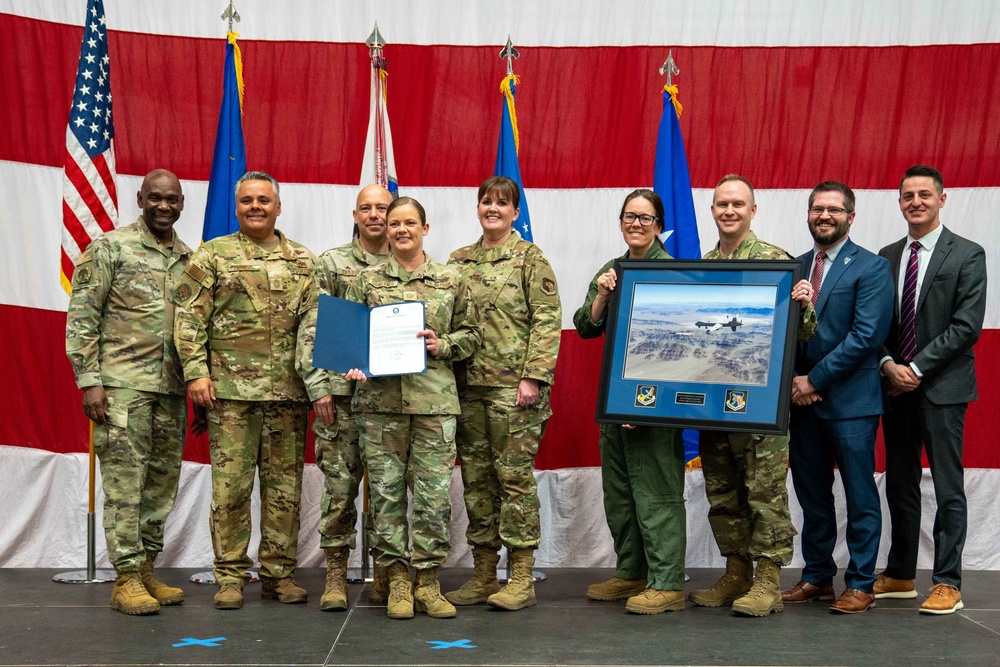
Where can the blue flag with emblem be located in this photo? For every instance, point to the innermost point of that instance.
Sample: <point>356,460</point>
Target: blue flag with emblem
<point>672,182</point>
<point>230,159</point>
<point>507,164</point>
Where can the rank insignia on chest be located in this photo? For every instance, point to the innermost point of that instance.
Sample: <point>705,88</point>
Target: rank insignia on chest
<point>277,283</point>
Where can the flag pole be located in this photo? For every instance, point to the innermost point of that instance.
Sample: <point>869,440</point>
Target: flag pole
<point>219,211</point>
<point>374,42</point>
<point>95,49</point>
<point>92,575</point>
<point>510,54</point>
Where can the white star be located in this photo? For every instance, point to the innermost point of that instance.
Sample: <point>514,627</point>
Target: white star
<point>97,112</point>
<point>79,121</point>
<point>105,60</point>
<point>98,96</point>
<point>94,127</point>
<point>100,80</point>
<point>85,90</point>
<point>107,135</point>
<point>93,26</point>
<point>109,101</point>
<point>87,74</point>
<point>92,143</point>
<point>92,43</point>
<point>90,58</point>
<point>94,11</point>
<point>107,113</point>
<point>82,106</point>
<point>102,20</point>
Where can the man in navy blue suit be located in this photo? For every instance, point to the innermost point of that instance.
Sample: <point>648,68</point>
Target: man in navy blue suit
<point>837,400</point>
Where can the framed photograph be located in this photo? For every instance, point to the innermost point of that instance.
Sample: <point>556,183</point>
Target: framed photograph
<point>703,344</point>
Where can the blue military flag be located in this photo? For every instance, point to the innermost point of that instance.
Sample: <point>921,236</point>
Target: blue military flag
<point>230,159</point>
<point>507,147</point>
<point>673,183</point>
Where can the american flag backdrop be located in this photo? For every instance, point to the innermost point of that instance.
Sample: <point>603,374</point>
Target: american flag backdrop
<point>787,93</point>
<point>90,197</point>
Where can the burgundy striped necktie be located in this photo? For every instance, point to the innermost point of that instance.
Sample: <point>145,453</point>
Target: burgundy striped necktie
<point>817,275</point>
<point>908,308</point>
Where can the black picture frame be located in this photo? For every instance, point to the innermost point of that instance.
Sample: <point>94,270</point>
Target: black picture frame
<point>702,344</point>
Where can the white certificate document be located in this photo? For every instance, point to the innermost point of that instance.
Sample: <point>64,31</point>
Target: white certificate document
<point>394,348</point>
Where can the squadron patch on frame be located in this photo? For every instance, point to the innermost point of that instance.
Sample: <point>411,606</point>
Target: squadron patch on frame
<point>645,396</point>
<point>736,400</point>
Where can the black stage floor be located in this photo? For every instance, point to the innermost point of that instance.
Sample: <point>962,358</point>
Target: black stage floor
<point>46,623</point>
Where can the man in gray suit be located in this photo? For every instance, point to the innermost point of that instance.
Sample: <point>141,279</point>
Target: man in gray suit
<point>929,375</point>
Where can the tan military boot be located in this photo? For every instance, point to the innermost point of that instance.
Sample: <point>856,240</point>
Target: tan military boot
<point>335,595</point>
<point>652,601</point>
<point>764,596</point>
<point>732,585</point>
<point>427,596</point>
<point>616,589</point>
<point>230,595</point>
<point>165,595</point>
<point>379,591</point>
<point>520,590</point>
<point>283,590</point>
<point>483,582</point>
<point>131,597</point>
<point>400,602</point>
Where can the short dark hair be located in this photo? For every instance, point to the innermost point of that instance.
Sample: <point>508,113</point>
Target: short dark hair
<point>649,196</point>
<point>923,170</point>
<point>834,186</point>
<point>736,177</point>
<point>503,186</point>
<point>406,201</point>
<point>258,176</point>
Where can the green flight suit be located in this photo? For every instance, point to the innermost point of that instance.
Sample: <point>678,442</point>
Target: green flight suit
<point>642,470</point>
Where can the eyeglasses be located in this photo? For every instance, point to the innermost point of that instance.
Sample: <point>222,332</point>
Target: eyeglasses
<point>834,211</point>
<point>644,220</point>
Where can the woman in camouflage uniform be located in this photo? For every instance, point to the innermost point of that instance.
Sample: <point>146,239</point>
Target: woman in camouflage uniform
<point>407,422</point>
<point>504,389</point>
<point>642,466</point>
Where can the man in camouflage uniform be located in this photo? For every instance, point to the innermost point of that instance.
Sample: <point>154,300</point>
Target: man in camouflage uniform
<point>119,338</point>
<point>407,422</point>
<point>504,389</point>
<point>239,305</point>
<point>338,454</point>
<point>745,473</point>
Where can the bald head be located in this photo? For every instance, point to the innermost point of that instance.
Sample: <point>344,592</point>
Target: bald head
<point>161,201</point>
<point>369,216</point>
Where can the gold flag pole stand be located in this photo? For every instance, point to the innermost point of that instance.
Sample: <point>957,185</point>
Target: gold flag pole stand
<point>92,575</point>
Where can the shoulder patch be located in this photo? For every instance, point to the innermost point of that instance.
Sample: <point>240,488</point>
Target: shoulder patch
<point>84,274</point>
<point>182,293</point>
<point>195,272</point>
<point>548,286</point>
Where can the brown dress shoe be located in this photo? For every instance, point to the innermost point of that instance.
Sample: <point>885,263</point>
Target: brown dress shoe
<point>853,601</point>
<point>899,589</point>
<point>803,590</point>
<point>943,599</point>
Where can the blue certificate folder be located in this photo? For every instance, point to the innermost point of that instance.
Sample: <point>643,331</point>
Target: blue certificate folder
<point>346,339</point>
